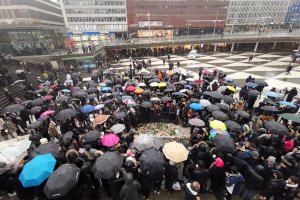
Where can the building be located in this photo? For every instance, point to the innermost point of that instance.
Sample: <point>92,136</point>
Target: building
<point>256,15</point>
<point>29,27</point>
<point>292,19</point>
<point>159,18</point>
<point>93,21</point>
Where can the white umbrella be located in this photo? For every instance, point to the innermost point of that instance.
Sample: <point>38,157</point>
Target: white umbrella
<point>98,107</point>
<point>117,128</point>
<point>142,85</point>
<point>154,84</point>
<point>205,102</point>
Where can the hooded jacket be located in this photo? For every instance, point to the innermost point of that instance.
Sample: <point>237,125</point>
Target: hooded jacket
<point>130,190</point>
<point>190,194</point>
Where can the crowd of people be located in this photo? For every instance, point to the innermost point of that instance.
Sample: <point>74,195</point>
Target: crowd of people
<point>234,148</point>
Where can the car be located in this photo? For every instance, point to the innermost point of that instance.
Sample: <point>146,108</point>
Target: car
<point>192,55</point>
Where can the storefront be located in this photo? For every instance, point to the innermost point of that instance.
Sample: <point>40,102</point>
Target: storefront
<point>87,38</point>
<point>82,63</point>
<point>154,33</point>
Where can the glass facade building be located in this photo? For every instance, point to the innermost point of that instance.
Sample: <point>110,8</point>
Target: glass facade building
<point>292,19</point>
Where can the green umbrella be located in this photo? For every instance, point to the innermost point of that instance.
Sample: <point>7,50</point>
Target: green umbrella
<point>291,117</point>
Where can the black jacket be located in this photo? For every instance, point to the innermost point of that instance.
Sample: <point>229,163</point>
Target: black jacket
<point>189,194</point>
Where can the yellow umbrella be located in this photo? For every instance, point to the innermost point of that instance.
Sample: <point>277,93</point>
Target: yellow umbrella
<point>162,84</point>
<point>231,88</point>
<point>139,91</point>
<point>175,151</point>
<point>216,124</point>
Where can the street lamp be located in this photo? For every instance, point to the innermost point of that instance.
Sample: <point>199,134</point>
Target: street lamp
<point>188,25</point>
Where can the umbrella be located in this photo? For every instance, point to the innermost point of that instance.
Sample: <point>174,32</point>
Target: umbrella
<point>130,88</point>
<point>126,97</point>
<point>169,90</point>
<point>154,84</point>
<point>153,80</point>
<point>118,86</point>
<point>101,119</point>
<point>142,85</point>
<point>138,90</point>
<point>50,147</point>
<point>87,109</point>
<point>243,114</point>
<point>214,132</point>
<point>269,101</point>
<point>66,114</point>
<point>48,97</point>
<point>286,103</point>
<point>166,99</point>
<point>98,107</point>
<point>224,143</point>
<point>196,106</point>
<point>67,137</point>
<point>205,102</point>
<point>120,115</point>
<point>117,128</point>
<point>216,95</point>
<point>37,170</point>
<point>212,108</point>
<point>196,122</point>
<point>76,88</point>
<point>35,125</point>
<point>19,71</point>
<point>152,162</point>
<point>227,99</point>
<point>26,102</point>
<point>215,124</point>
<point>61,181</point>
<point>108,101</point>
<point>143,142</point>
<point>261,83</point>
<point>66,90</point>
<point>269,108</point>
<point>110,140</point>
<point>222,89</point>
<point>159,143</point>
<point>35,109</point>
<point>107,81</point>
<point>155,99</point>
<point>47,113</point>
<point>175,151</point>
<point>63,99</point>
<point>194,100</point>
<point>250,85</point>
<point>92,90</point>
<point>275,95</point>
<point>91,136</point>
<point>107,165</point>
<point>37,102</point>
<point>276,128</point>
<point>146,92</point>
<point>223,106</point>
<point>253,93</point>
<point>180,94</point>
<point>53,86</point>
<point>219,115</point>
<point>80,93</point>
<point>146,104</point>
<point>129,102</point>
<point>38,91</point>
<point>162,84</point>
<point>291,117</point>
<point>44,118</point>
<point>232,89</point>
<point>233,126</point>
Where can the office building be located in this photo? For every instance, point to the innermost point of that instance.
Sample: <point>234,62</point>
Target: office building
<point>292,19</point>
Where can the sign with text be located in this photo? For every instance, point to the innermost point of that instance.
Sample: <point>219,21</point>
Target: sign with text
<point>150,23</point>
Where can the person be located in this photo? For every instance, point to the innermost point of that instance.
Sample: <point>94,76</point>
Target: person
<point>217,177</point>
<point>289,191</point>
<point>191,191</point>
<point>233,182</point>
<point>250,58</point>
<point>289,69</point>
<point>291,94</point>
<point>131,188</point>
<point>274,185</point>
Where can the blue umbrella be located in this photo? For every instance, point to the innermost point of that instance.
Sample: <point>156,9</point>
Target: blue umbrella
<point>251,85</point>
<point>286,103</point>
<point>188,86</point>
<point>66,90</point>
<point>126,97</point>
<point>196,106</point>
<point>214,132</point>
<point>105,89</point>
<point>37,170</point>
<point>274,94</point>
<point>87,109</point>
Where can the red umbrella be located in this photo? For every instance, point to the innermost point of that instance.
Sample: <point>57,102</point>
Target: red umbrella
<point>130,88</point>
<point>110,140</point>
<point>53,86</point>
<point>198,81</point>
<point>45,98</point>
<point>47,113</point>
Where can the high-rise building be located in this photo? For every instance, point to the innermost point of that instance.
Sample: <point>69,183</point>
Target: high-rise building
<point>152,18</point>
<point>92,21</point>
<point>29,27</point>
<point>256,15</point>
<point>292,19</point>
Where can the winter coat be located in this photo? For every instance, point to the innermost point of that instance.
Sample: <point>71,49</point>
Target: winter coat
<point>217,175</point>
<point>200,175</point>
<point>252,179</point>
<point>130,190</point>
<point>289,192</point>
<point>189,193</point>
<point>233,182</point>
<point>52,131</point>
<point>273,187</point>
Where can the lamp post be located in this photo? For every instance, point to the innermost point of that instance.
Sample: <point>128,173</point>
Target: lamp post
<point>188,25</point>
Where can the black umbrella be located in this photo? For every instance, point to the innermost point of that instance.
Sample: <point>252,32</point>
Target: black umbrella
<point>207,93</point>
<point>108,101</point>
<point>91,136</point>
<point>152,162</point>
<point>219,115</point>
<point>76,88</point>
<point>13,108</point>
<point>233,126</point>
<point>38,91</point>
<point>50,147</point>
<point>166,99</point>
<point>44,118</point>
<point>169,90</point>
<point>65,114</point>
<point>107,165</point>
<point>37,102</point>
<point>243,114</point>
<point>26,102</point>
<point>179,94</point>
<point>212,108</point>
<point>253,93</point>
<point>146,92</point>
<point>269,108</point>
<point>35,109</point>
<point>91,96</point>
<point>119,115</point>
<point>63,99</point>
<point>35,125</point>
<point>276,128</point>
<point>224,143</point>
<point>194,100</point>
<point>80,93</point>
<point>61,181</point>
<point>171,86</point>
<point>269,101</point>
<point>222,106</point>
<point>216,95</point>
<point>227,99</point>
<point>146,104</point>
<point>261,83</point>
<point>154,80</point>
<point>92,90</point>
<point>118,86</point>
<point>67,137</point>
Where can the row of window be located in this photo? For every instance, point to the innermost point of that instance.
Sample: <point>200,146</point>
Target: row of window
<point>190,0</point>
<point>91,3</point>
<point>97,27</point>
<point>97,19</point>
<point>95,11</point>
<point>178,7</point>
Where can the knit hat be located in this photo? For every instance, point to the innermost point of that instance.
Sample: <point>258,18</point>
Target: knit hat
<point>219,162</point>
<point>271,159</point>
<point>288,160</point>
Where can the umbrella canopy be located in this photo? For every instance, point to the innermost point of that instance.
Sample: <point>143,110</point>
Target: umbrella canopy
<point>37,102</point>
<point>224,143</point>
<point>291,117</point>
<point>215,124</point>
<point>152,162</point>
<point>243,114</point>
<point>139,90</point>
<point>146,92</point>
<point>154,84</point>
<point>130,89</point>
<point>212,108</point>
<point>275,95</point>
<point>101,119</point>
<point>37,170</point>
<point>91,136</point>
<point>126,97</point>
<point>194,100</point>
<point>232,89</point>
<point>155,99</point>
<point>261,83</point>
<point>129,102</point>
<point>63,99</point>
<point>196,122</point>
<point>227,99</point>
<point>233,126</point>
<point>205,102</point>
<point>47,113</point>
<point>179,94</point>
<point>98,107</point>
<point>216,95</point>
<point>250,85</point>
<point>35,109</point>
<point>219,115</point>
<point>87,109</point>
<point>66,90</point>
<point>48,97</point>
<point>80,93</point>
<point>166,99</point>
<point>51,147</point>
<point>110,140</point>
<point>66,114</point>
<point>222,89</point>
<point>142,85</point>
<point>143,142</point>
<point>169,90</point>
<point>269,108</point>
<point>276,128</point>
<point>107,165</point>
<point>117,128</point>
<point>196,106</point>
<point>91,96</point>
<point>120,115</point>
<point>214,132</point>
<point>67,137</point>
<point>175,151</point>
<point>146,104</point>
<point>61,181</point>
<point>253,93</point>
<point>159,143</point>
<point>223,106</point>
<point>35,125</point>
<point>162,84</point>
<point>286,103</point>
<point>105,89</point>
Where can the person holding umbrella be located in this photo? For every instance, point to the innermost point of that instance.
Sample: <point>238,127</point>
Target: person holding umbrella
<point>191,191</point>
<point>131,188</point>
